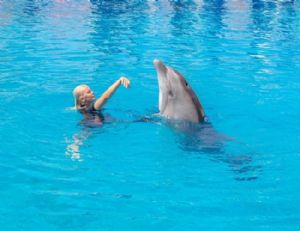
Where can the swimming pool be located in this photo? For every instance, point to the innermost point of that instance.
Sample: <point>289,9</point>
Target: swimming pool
<point>240,57</point>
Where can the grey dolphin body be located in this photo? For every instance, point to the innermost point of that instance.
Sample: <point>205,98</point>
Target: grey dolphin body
<point>177,100</point>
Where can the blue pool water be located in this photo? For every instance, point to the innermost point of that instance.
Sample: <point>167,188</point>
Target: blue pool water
<point>242,59</point>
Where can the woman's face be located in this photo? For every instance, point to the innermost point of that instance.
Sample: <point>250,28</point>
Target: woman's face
<point>86,96</point>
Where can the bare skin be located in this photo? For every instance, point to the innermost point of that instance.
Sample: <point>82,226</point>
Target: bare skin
<point>85,97</point>
<point>84,102</point>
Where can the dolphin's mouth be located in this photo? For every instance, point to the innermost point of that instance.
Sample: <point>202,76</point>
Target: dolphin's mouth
<point>164,93</point>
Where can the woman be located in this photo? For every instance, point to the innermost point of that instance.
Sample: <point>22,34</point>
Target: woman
<point>87,104</point>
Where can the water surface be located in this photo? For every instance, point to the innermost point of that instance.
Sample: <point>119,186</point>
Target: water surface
<point>240,57</point>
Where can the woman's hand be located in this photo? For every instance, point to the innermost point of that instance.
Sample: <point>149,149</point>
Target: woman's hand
<point>109,92</point>
<point>124,81</point>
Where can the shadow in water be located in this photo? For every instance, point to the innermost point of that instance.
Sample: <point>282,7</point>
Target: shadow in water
<point>203,139</point>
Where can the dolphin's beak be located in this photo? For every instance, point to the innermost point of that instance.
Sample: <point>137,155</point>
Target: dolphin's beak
<point>160,67</point>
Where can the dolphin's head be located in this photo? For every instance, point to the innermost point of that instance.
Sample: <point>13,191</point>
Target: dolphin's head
<point>177,100</point>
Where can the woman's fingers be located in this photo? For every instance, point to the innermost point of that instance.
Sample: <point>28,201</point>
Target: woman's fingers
<point>125,82</point>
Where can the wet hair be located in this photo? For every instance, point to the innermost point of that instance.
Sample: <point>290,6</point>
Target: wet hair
<point>77,95</point>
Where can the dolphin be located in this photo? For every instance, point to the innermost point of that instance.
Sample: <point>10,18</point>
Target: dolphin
<point>177,100</point>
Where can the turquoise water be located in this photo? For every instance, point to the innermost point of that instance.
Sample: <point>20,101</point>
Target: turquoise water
<point>240,57</point>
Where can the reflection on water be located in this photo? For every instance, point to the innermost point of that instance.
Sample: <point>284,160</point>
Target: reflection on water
<point>74,145</point>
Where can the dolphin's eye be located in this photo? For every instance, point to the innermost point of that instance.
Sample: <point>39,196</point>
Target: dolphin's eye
<point>186,83</point>
<point>170,93</point>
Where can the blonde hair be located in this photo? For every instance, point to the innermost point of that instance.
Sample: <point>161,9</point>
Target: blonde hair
<point>77,93</point>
